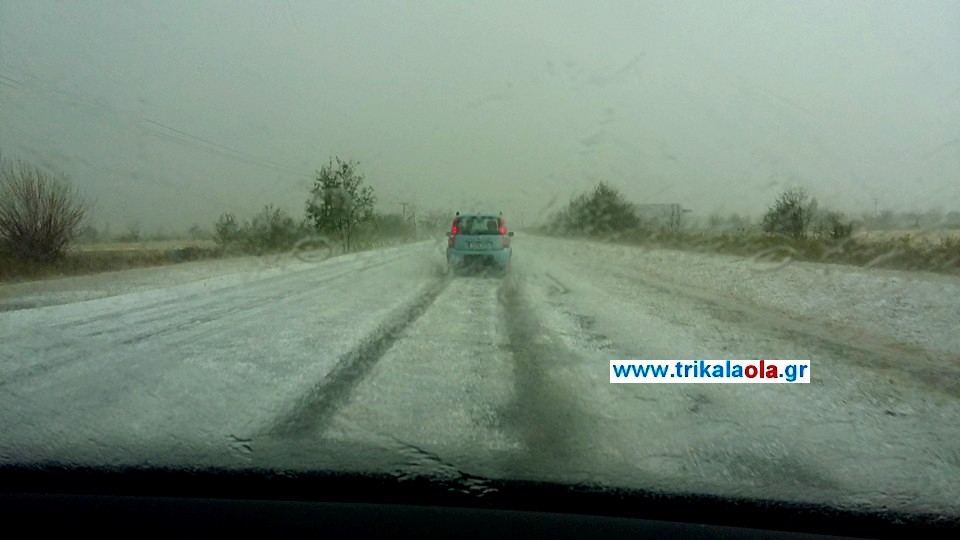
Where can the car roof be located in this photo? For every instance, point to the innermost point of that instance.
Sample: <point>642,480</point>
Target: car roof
<point>486,215</point>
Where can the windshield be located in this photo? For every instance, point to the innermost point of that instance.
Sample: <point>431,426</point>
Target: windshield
<point>726,263</point>
<point>477,225</point>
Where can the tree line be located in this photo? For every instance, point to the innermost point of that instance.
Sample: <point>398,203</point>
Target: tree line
<point>42,214</point>
<point>339,210</point>
<point>605,211</point>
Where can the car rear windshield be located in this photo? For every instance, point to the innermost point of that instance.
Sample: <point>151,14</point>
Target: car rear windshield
<point>478,225</point>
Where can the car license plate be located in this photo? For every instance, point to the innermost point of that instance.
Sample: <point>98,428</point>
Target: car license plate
<point>479,245</point>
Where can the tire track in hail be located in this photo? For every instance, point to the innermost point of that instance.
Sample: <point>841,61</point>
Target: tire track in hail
<point>545,413</point>
<point>255,304</point>
<point>313,411</point>
<point>178,302</point>
<point>707,409</point>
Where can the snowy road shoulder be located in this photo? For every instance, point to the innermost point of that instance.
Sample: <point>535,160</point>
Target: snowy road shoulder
<point>206,275</point>
<point>915,309</point>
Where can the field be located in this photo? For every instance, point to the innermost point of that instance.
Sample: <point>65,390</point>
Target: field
<point>915,235</point>
<point>917,249</point>
<point>146,246</point>
<point>105,257</point>
<point>99,257</point>
<point>914,250</point>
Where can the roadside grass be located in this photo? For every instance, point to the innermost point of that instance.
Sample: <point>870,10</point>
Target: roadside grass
<point>905,252</point>
<point>93,261</point>
<point>87,259</point>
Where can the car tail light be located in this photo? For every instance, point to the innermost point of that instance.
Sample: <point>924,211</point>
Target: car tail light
<point>505,240</point>
<point>453,234</point>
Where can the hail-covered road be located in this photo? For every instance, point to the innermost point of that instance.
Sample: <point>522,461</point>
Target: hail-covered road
<point>297,364</point>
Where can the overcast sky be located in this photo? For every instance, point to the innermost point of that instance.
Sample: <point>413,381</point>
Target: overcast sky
<point>170,113</point>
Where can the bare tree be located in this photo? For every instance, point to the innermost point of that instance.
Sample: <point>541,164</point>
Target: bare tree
<point>790,214</point>
<point>915,216</point>
<point>196,232</point>
<point>952,220</point>
<point>226,230</point>
<point>831,224</point>
<point>270,230</point>
<point>40,214</point>
<point>134,233</point>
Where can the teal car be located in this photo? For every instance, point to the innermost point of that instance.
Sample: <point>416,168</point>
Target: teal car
<point>479,241</point>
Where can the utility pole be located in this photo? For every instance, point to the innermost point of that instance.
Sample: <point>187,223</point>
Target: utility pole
<point>413,213</point>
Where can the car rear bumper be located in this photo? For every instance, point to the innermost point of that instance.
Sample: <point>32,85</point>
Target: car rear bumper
<point>500,257</point>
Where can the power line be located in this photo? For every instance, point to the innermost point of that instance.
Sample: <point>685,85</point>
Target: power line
<point>188,144</point>
<point>280,167</point>
<point>194,141</point>
<point>176,136</point>
<point>251,160</point>
<point>7,81</point>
